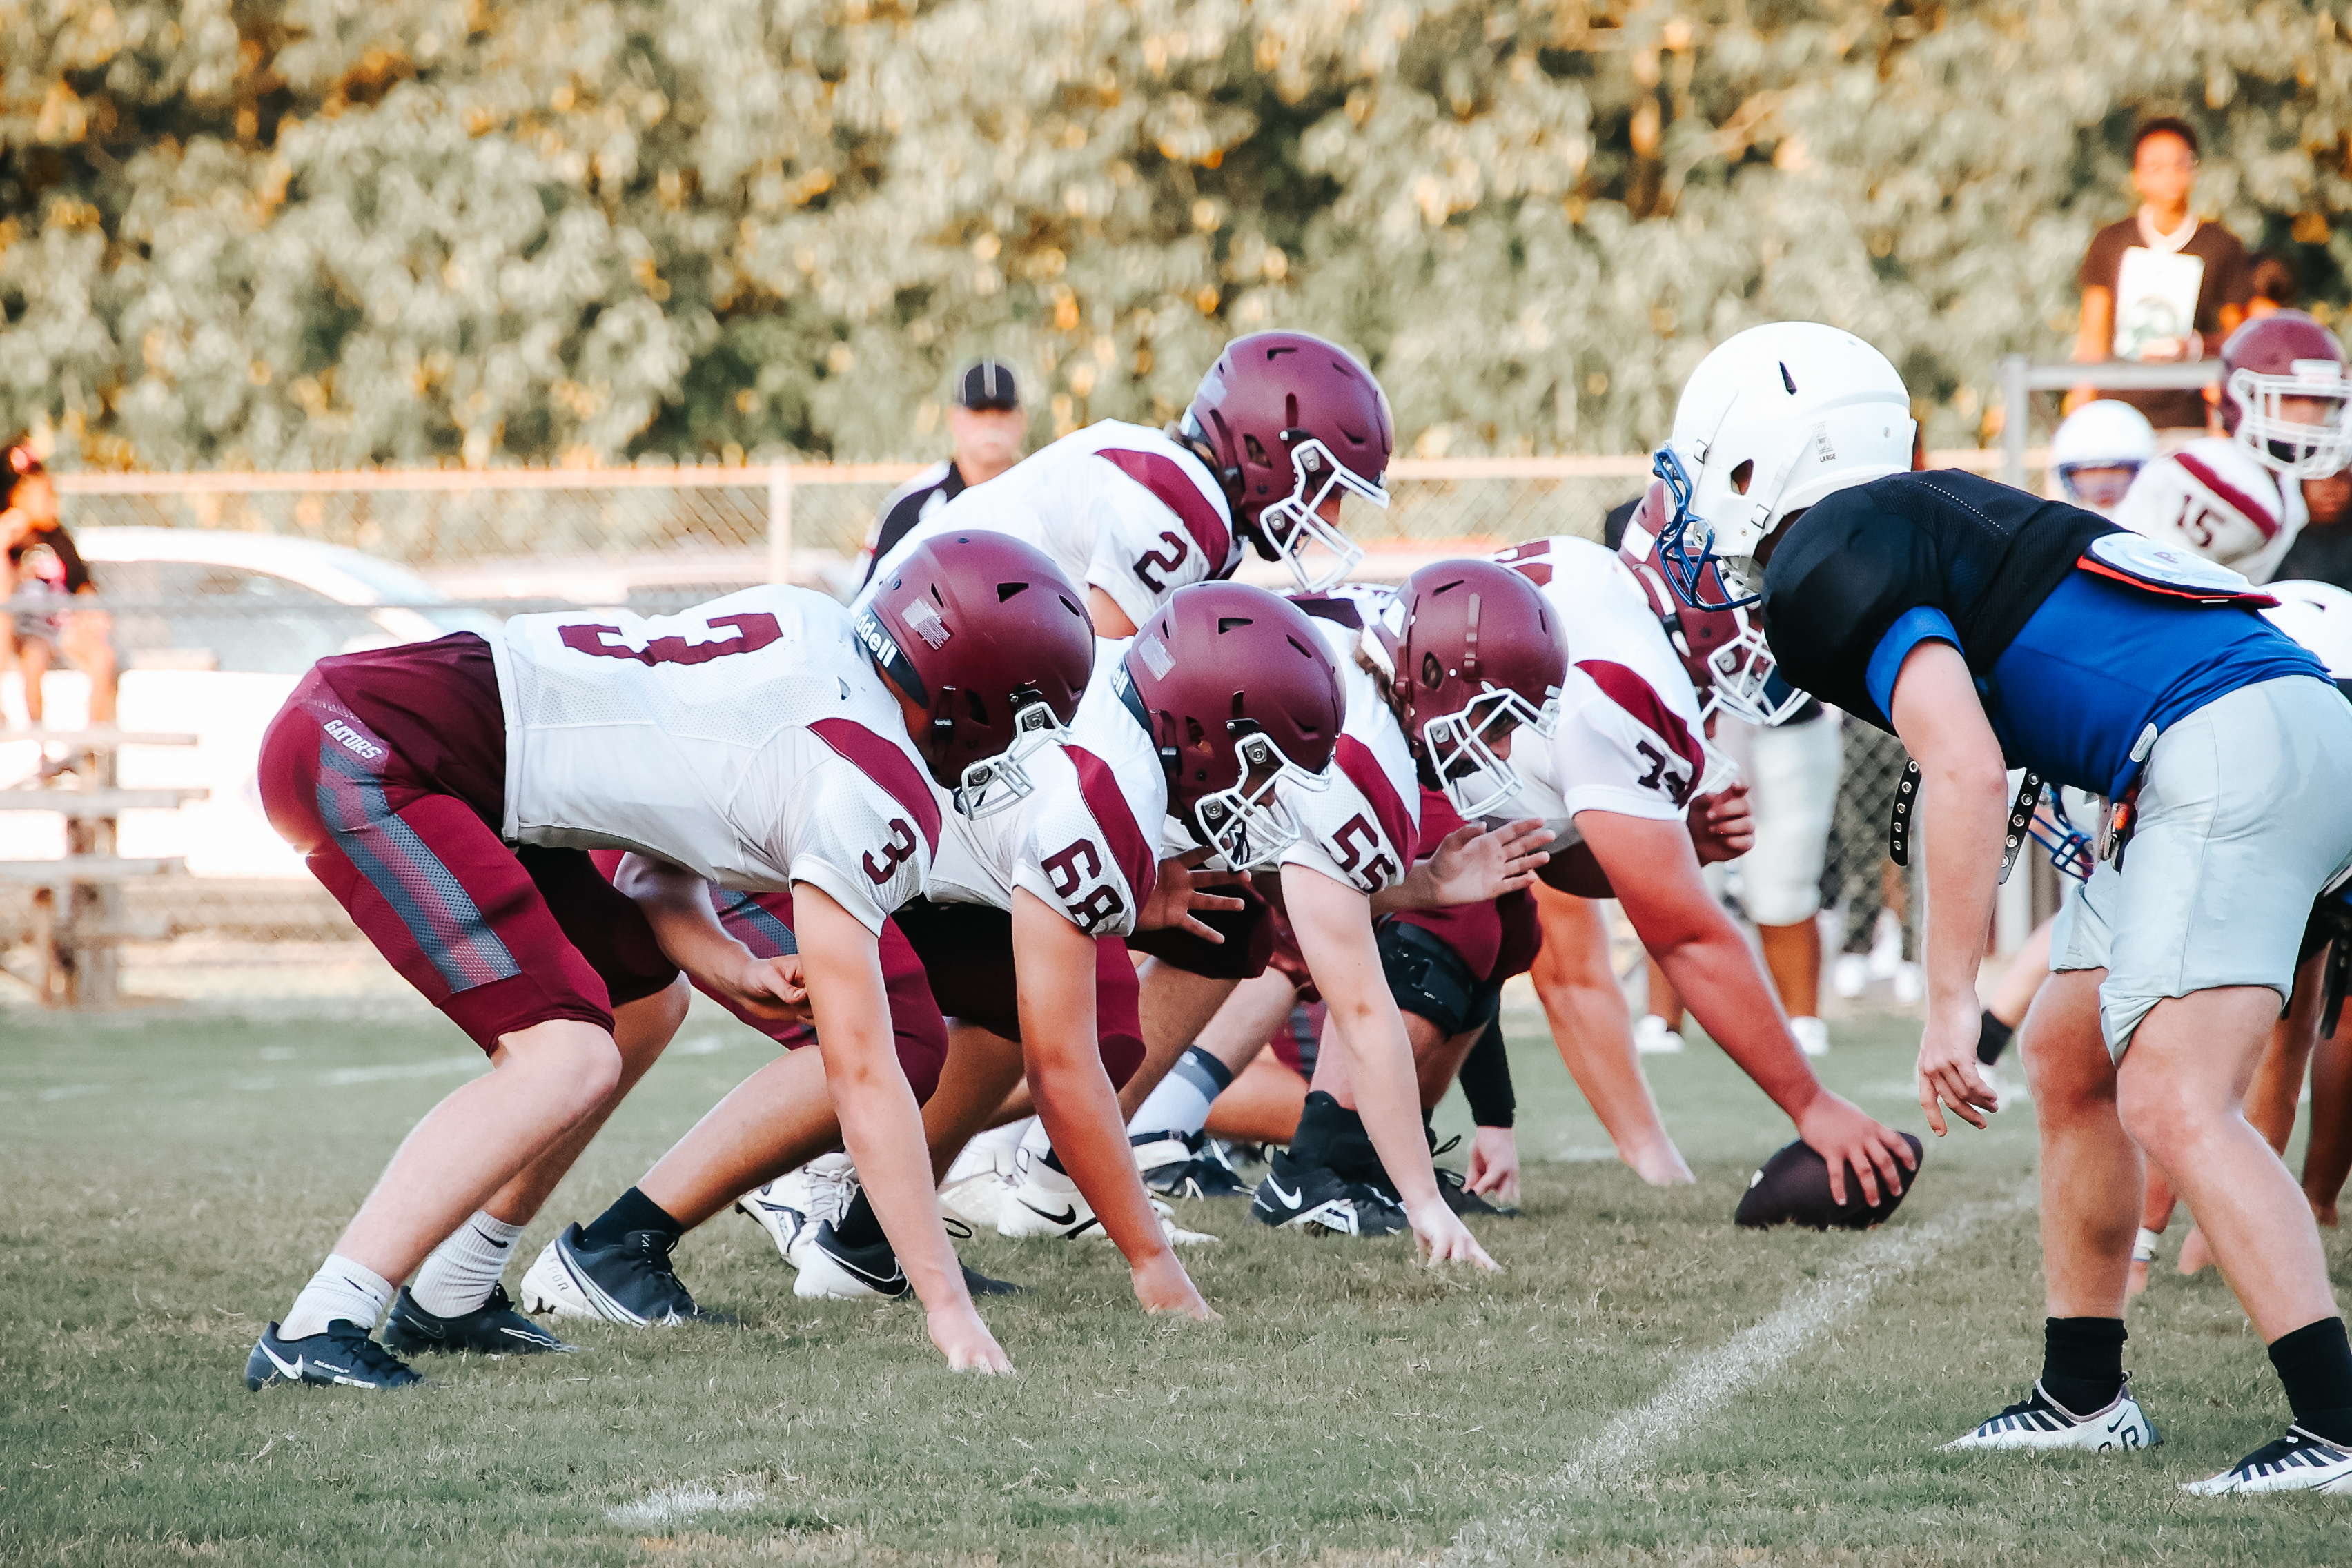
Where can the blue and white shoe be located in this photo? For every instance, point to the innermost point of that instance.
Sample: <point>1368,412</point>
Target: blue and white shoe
<point>1195,1167</point>
<point>2038,1421</point>
<point>630,1282</point>
<point>494,1328</point>
<point>341,1357</point>
<point>2298,1462</point>
<point>797,1202</point>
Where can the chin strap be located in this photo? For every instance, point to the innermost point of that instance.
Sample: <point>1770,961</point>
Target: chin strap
<point>1907,797</point>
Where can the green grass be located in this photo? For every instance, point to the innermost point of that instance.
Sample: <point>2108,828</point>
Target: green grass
<point>167,1182</point>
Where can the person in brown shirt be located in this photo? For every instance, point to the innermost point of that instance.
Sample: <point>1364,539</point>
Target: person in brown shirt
<point>2163,171</point>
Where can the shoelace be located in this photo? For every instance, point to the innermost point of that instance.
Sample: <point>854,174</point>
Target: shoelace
<point>378,1362</point>
<point>832,1192</point>
<point>651,1252</point>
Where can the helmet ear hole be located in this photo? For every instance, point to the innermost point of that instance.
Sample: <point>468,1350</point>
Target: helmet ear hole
<point>1741,474</point>
<point>1006,590</point>
<point>1250,444</point>
<point>978,709</point>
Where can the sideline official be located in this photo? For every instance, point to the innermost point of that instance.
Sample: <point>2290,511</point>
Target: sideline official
<point>988,425</point>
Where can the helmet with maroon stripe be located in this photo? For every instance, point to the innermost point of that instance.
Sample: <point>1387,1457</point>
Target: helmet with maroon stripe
<point>1239,697</point>
<point>1724,650</point>
<point>985,634</point>
<point>2272,360</point>
<point>1469,651</point>
<point>1290,420</point>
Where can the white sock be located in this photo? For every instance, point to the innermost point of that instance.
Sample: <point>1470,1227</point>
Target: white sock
<point>1007,1137</point>
<point>459,1275</point>
<point>1180,1106</point>
<point>341,1288</point>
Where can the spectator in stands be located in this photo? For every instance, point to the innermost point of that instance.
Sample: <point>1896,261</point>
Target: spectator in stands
<point>2161,285</point>
<point>45,572</point>
<point>2270,283</point>
<point>988,425</point>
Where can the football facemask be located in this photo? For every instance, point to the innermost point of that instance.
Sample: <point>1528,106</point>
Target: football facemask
<point>1460,746</point>
<point>1294,526</point>
<point>2290,446</point>
<point>1748,683</point>
<point>1248,825</point>
<point>1002,782</point>
<point>2072,850</point>
<point>1701,578</point>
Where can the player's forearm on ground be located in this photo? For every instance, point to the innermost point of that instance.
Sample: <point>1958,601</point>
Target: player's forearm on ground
<point>677,904</point>
<point>1080,1111</point>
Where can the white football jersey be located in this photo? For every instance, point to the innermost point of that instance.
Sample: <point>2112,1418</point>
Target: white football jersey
<point>1363,827</point>
<point>748,739</point>
<point>1083,839</point>
<point>2213,499</point>
<point>1630,739</point>
<point>1116,507</point>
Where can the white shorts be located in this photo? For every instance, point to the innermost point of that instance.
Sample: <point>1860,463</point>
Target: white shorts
<point>1794,770</point>
<point>2244,818</point>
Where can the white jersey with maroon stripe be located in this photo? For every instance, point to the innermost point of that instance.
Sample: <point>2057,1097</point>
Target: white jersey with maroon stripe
<point>1630,739</point>
<point>1117,507</point>
<point>2211,499</point>
<point>1083,838</point>
<point>749,739</point>
<point>1363,827</point>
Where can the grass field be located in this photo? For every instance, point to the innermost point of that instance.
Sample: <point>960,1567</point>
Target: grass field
<point>1640,1386</point>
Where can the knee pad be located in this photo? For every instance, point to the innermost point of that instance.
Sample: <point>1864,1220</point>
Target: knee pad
<point>1427,977</point>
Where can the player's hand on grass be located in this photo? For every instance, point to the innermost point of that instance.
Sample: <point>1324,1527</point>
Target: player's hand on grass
<point>1472,866</point>
<point>1184,889</point>
<point>1495,1164</point>
<point>1439,1236</point>
<point>965,1341</point>
<point>1162,1286</point>
<point>775,989</point>
<point>1722,827</point>
<point>1949,1076</point>
<point>1838,1131</point>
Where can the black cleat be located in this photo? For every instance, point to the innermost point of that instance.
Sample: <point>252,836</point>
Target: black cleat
<point>1454,1187</point>
<point>1200,1171</point>
<point>1321,1202</point>
<point>342,1356</point>
<point>630,1282</point>
<point>494,1328</point>
<point>980,1284</point>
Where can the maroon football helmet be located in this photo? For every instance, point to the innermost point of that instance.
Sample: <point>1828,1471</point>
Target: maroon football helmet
<point>1240,697</point>
<point>2286,354</point>
<point>1472,652</point>
<point>1291,418</point>
<point>986,633</point>
<point>1724,650</point>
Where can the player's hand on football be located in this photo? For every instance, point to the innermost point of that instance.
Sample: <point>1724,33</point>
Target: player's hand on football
<point>1838,1132</point>
<point>1182,890</point>
<point>1949,1076</point>
<point>770,988</point>
<point>1471,865</point>
<point>965,1341</point>
<point>1439,1236</point>
<point>1162,1286</point>
<point>1722,827</point>
<point>1495,1164</point>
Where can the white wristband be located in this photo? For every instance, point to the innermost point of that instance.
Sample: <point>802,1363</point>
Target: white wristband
<point>2144,1245</point>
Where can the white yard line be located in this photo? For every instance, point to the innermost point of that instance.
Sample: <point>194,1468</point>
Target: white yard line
<point>667,1506</point>
<point>440,1066</point>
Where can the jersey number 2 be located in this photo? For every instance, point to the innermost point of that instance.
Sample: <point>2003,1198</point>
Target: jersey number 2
<point>1167,560</point>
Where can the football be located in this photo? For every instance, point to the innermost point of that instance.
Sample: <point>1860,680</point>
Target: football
<point>1793,1188</point>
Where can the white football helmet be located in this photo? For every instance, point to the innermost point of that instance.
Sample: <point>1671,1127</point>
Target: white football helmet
<point>2319,616</point>
<point>2211,499</point>
<point>2103,434</point>
<point>1775,418</point>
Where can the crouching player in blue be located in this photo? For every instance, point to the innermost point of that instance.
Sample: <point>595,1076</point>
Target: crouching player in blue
<point>1990,630</point>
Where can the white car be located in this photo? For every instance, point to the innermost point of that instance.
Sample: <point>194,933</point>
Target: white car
<point>212,629</point>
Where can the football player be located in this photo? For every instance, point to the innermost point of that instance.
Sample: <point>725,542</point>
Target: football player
<point>2237,498</point>
<point>1985,626</point>
<point>2098,450</point>
<point>447,793</point>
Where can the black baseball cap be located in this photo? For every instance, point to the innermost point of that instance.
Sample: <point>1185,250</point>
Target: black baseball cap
<point>987,385</point>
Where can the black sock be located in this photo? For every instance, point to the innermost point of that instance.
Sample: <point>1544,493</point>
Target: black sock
<point>1992,1038</point>
<point>861,1226</point>
<point>631,1211</point>
<point>1333,1137</point>
<point>2316,1363</point>
<point>2083,1361</point>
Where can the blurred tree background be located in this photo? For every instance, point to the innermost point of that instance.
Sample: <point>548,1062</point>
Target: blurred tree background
<point>299,233</point>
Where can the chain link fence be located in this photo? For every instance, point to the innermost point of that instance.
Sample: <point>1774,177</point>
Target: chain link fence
<point>219,589</point>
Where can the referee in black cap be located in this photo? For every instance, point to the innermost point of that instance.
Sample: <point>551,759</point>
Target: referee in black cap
<point>985,419</point>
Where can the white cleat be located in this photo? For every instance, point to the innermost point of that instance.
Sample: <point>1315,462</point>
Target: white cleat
<point>2039,1421</point>
<point>2297,1462</point>
<point>548,1290</point>
<point>1047,1203</point>
<point>798,1201</point>
<point>1849,977</point>
<point>1812,1036</point>
<point>1652,1037</point>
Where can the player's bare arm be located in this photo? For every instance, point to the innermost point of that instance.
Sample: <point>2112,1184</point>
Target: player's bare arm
<point>881,1123</point>
<point>1334,927</point>
<point>1075,1100</point>
<point>1654,871</point>
<point>676,903</point>
<point>1470,867</point>
<point>1964,811</point>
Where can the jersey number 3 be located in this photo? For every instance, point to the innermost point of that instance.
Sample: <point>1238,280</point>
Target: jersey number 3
<point>752,632</point>
<point>896,853</point>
